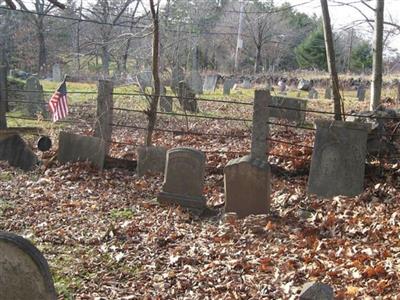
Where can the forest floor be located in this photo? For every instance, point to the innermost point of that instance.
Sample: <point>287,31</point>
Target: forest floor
<point>105,238</point>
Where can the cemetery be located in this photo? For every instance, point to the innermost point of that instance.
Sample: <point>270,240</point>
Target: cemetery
<point>190,181</point>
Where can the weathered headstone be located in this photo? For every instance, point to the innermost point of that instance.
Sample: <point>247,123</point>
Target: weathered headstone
<point>304,85</point>
<point>57,76</point>
<point>228,85</point>
<point>187,98</point>
<point>247,179</point>
<point>24,271</point>
<point>361,92</point>
<point>246,84</point>
<point>316,291</point>
<point>210,83</point>
<point>14,150</point>
<point>290,109</point>
<point>195,82</point>
<point>184,179</point>
<point>313,94</point>
<point>34,97</point>
<point>73,147</point>
<point>338,160</point>
<point>151,160</point>
<point>328,93</point>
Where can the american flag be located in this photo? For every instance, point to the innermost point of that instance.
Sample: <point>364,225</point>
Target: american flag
<point>58,103</point>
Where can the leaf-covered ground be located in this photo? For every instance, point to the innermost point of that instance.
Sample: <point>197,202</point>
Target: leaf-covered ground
<point>105,237</point>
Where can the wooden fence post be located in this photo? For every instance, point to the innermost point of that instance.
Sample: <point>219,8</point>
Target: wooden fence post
<point>104,115</point>
<point>3,97</point>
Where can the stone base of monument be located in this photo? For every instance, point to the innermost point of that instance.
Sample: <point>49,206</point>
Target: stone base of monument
<point>197,205</point>
<point>24,271</point>
<point>151,160</point>
<point>338,160</point>
<point>247,186</point>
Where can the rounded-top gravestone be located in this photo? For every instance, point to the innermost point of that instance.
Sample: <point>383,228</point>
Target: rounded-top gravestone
<point>24,271</point>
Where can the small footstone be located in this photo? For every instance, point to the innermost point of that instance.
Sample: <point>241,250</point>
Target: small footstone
<point>25,274</point>
<point>151,160</point>
<point>316,291</point>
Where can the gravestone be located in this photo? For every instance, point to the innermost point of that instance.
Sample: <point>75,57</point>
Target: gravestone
<point>290,109</point>
<point>210,83</point>
<point>304,85</point>
<point>57,76</point>
<point>195,82</point>
<point>361,92</point>
<point>184,179</point>
<point>14,150</point>
<point>187,98</point>
<point>176,77</point>
<point>246,84</point>
<point>151,160</point>
<point>34,98</point>
<point>165,101</point>
<point>73,148</point>
<point>24,271</point>
<point>338,160</point>
<point>145,79</point>
<point>316,291</point>
<point>313,94</point>
<point>228,85</point>
<point>247,179</point>
<point>328,93</point>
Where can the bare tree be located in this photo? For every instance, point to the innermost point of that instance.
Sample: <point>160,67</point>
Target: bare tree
<point>330,53</point>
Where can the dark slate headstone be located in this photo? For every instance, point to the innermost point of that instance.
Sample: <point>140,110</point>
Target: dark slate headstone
<point>34,97</point>
<point>338,160</point>
<point>14,150</point>
<point>316,291</point>
<point>290,109</point>
<point>151,160</point>
<point>24,272</point>
<point>187,98</point>
<point>73,148</point>
<point>228,85</point>
<point>361,92</point>
<point>184,179</point>
<point>210,83</point>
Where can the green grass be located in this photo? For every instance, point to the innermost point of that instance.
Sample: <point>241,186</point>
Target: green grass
<point>124,214</point>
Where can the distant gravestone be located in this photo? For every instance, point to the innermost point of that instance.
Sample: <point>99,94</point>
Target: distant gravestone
<point>25,274</point>
<point>228,85</point>
<point>304,85</point>
<point>57,76</point>
<point>290,109</point>
<point>247,179</point>
<point>338,160</point>
<point>313,94</point>
<point>316,291</point>
<point>361,92</point>
<point>73,148</point>
<point>14,150</point>
<point>184,179</point>
<point>145,79</point>
<point>187,98</point>
<point>328,93</point>
<point>210,83</point>
<point>151,160</point>
<point>165,101</point>
<point>34,97</point>
<point>195,82</point>
<point>246,84</point>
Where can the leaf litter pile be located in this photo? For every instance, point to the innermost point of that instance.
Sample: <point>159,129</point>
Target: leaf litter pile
<point>105,238</point>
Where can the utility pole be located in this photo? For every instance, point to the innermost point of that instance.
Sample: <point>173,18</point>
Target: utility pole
<point>78,41</point>
<point>239,43</point>
<point>330,57</point>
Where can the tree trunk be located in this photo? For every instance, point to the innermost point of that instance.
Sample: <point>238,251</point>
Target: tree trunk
<point>258,62</point>
<point>376,86</point>
<point>42,49</point>
<point>105,61</point>
<point>152,113</point>
<point>330,53</point>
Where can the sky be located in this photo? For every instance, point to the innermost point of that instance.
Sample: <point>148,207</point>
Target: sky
<point>344,16</point>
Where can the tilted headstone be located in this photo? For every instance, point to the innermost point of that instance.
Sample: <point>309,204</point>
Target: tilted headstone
<point>73,148</point>
<point>14,150</point>
<point>24,271</point>
<point>247,179</point>
<point>151,160</point>
<point>34,97</point>
<point>361,93</point>
<point>338,159</point>
<point>290,109</point>
<point>328,93</point>
<point>228,85</point>
<point>195,82</point>
<point>187,98</point>
<point>210,83</point>
<point>184,179</point>
<point>316,291</point>
<point>57,75</point>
